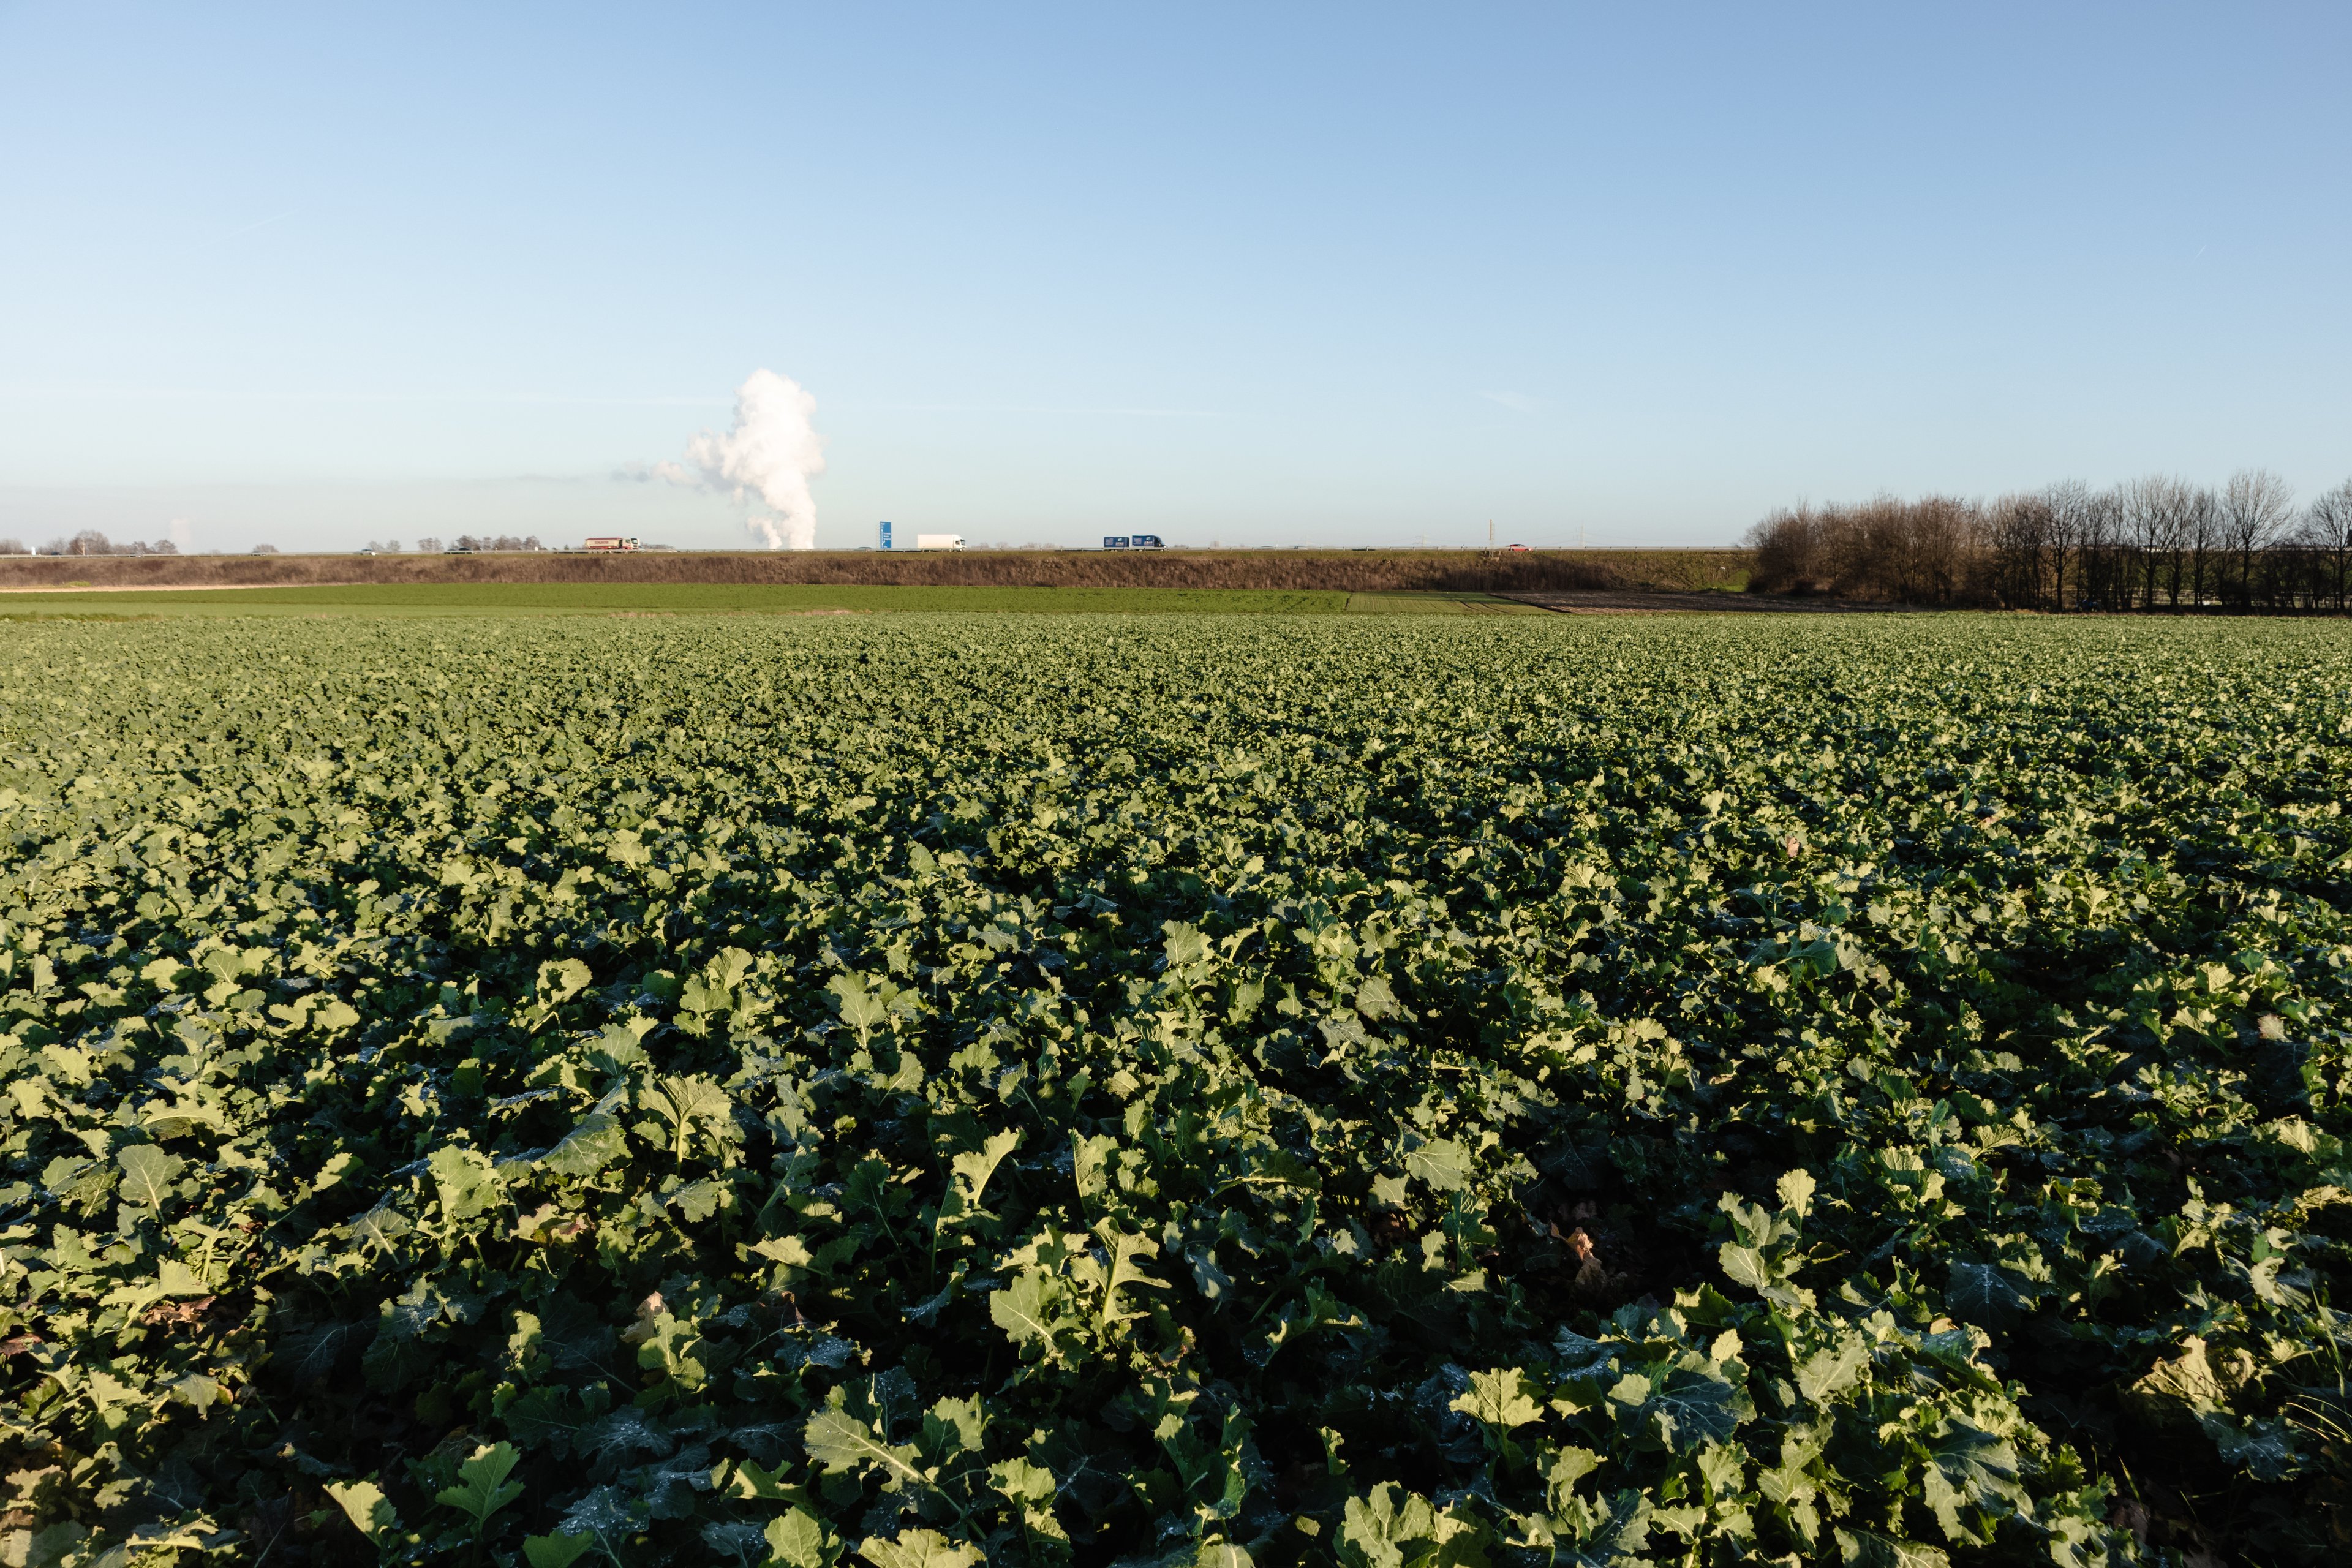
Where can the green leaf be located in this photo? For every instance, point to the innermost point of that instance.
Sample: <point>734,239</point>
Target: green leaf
<point>1184,945</point>
<point>1380,1529</point>
<point>842,1443</point>
<point>688,1103</point>
<point>1502,1399</point>
<point>953,1426</point>
<point>380,1228</point>
<point>668,1346</point>
<point>2264,1449</point>
<point>562,979</point>
<point>557,1551</point>
<point>1833,1371</point>
<point>1125,1270</point>
<point>797,1540</point>
<point>148,1174</point>
<point>363,1504</point>
<point>482,1486</point>
<point>700,1200</point>
<point>971,1171</point>
<point>1441,1164</point>
<point>465,1182</point>
<point>1568,1466</point>
<point>1969,1466</point>
<point>1691,1407</point>
<point>1023,1481</point>
<point>174,1278</point>
<point>2187,1381</point>
<point>1796,1189</point>
<point>1028,1309</point>
<point>1745,1266</point>
<point>1864,1549</point>
<point>1090,1163</point>
<point>755,1480</point>
<point>918,1549</point>
<point>859,1008</point>
<point>593,1143</point>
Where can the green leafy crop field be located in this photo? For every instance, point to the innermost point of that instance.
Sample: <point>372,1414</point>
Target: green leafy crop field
<point>1377,1091</point>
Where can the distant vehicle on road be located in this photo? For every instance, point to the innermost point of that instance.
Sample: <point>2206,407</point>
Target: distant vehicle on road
<point>1132,542</point>
<point>611,542</point>
<point>939,542</point>
<point>1520,548</point>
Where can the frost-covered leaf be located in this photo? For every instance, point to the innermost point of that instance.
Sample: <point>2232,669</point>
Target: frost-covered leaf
<point>1982,1293</point>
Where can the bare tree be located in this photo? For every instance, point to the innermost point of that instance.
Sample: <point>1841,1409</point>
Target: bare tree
<point>1941,533</point>
<point>2155,510</point>
<point>1787,548</point>
<point>2327,530</point>
<point>2255,506</point>
<point>2071,506</point>
<point>2156,542</point>
<point>2201,530</point>
<point>2107,556</point>
<point>2017,532</point>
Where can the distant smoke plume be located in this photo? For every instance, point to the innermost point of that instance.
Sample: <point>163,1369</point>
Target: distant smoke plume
<point>767,458</point>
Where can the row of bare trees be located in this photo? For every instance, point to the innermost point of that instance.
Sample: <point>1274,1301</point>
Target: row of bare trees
<point>91,541</point>
<point>2154,543</point>
<point>476,541</point>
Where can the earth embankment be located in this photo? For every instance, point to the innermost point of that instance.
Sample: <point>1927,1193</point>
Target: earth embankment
<point>1348,571</point>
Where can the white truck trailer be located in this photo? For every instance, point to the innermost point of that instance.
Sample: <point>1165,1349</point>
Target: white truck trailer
<point>939,542</point>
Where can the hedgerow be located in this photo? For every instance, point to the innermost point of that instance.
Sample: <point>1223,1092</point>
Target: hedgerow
<point>1041,1091</point>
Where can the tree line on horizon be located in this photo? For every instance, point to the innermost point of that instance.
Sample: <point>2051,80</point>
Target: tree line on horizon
<point>89,542</point>
<point>2157,544</point>
<point>503,543</point>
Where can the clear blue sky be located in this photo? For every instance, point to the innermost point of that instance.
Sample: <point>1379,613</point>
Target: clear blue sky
<point>1262,274</point>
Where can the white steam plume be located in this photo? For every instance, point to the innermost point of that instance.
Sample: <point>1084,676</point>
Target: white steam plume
<point>767,457</point>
